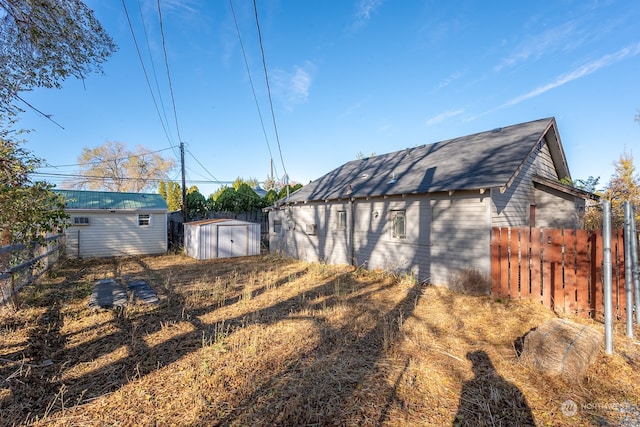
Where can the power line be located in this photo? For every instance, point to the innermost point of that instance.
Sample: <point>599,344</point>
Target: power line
<point>166,64</point>
<point>253,90</point>
<point>175,115</point>
<point>117,159</point>
<point>107,178</point>
<point>46,116</point>
<point>146,76</point>
<point>202,166</point>
<point>266,76</point>
<point>153,67</point>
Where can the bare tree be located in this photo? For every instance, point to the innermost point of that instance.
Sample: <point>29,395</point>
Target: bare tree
<point>113,167</point>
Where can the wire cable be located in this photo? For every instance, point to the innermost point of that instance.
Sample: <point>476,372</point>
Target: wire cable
<point>266,76</point>
<point>202,166</point>
<point>107,160</point>
<point>153,67</point>
<point>253,90</point>
<point>166,64</point>
<point>146,76</point>
<point>46,116</point>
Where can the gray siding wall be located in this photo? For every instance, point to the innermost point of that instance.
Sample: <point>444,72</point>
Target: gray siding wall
<point>116,234</point>
<point>557,210</point>
<point>511,208</point>
<point>444,234</point>
<point>461,236</point>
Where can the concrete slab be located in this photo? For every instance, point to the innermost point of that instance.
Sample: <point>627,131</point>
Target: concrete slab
<point>107,293</point>
<point>143,292</point>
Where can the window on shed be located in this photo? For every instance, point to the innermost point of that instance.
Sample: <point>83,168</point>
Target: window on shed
<point>80,220</point>
<point>277,226</point>
<point>342,220</point>
<point>144,220</point>
<point>399,225</point>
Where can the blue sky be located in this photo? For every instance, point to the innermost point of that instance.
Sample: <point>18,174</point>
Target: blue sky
<point>369,76</point>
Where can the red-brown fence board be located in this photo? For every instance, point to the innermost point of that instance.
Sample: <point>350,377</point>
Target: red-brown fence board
<point>596,258</point>
<point>505,288</point>
<point>496,261</point>
<point>535,265</point>
<point>569,272</point>
<point>561,269</point>
<point>514,263</point>
<point>525,263</point>
<point>557,285</point>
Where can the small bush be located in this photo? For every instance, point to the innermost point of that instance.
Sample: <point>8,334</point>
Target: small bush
<point>471,282</point>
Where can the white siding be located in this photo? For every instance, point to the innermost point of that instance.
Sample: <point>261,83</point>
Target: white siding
<point>115,234</point>
<point>222,239</point>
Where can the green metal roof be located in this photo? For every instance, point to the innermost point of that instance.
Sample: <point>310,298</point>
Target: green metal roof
<point>80,199</point>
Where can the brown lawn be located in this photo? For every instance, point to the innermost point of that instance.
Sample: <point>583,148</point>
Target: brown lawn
<point>268,341</point>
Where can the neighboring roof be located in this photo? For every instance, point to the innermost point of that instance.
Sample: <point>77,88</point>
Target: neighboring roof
<point>537,179</point>
<point>260,191</point>
<point>208,221</point>
<point>80,199</point>
<point>479,161</point>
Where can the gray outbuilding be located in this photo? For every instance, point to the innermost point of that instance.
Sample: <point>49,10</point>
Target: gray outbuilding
<point>429,210</point>
<point>221,238</point>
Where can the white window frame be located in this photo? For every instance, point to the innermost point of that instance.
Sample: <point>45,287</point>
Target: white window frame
<point>342,220</point>
<point>143,220</point>
<point>398,224</point>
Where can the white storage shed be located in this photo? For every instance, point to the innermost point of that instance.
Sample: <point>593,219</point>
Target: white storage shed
<point>221,238</point>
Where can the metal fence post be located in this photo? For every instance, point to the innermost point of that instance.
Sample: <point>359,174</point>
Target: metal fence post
<point>636,273</point>
<point>628,270</point>
<point>606,277</point>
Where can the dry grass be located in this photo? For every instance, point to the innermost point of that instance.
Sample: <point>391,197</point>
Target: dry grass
<point>268,341</point>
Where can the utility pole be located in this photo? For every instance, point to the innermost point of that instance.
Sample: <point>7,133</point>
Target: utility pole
<point>184,184</point>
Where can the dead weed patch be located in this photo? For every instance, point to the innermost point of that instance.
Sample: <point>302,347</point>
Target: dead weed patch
<point>270,341</point>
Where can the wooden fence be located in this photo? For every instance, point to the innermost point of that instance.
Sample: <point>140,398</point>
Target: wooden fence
<point>561,269</point>
<point>21,264</point>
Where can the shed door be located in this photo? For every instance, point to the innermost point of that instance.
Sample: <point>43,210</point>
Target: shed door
<point>233,241</point>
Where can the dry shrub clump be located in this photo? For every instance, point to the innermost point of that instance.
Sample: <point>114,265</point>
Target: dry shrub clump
<point>272,341</point>
<point>470,281</point>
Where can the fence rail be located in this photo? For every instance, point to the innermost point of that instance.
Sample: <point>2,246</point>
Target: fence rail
<point>560,268</point>
<point>21,264</point>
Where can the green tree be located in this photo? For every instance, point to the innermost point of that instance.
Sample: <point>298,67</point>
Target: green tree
<point>291,188</point>
<point>248,200</point>
<point>27,209</point>
<point>227,200</point>
<point>45,41</point>
<point>196,204</point>
<point>174,196</point>
<point>162,190</point>
<point>590,184</point>
<point>113,167</point>
<point>271,197</point>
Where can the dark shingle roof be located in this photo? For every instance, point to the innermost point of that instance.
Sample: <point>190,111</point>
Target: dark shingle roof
<point>80,199</point>
<point>483,160</point>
